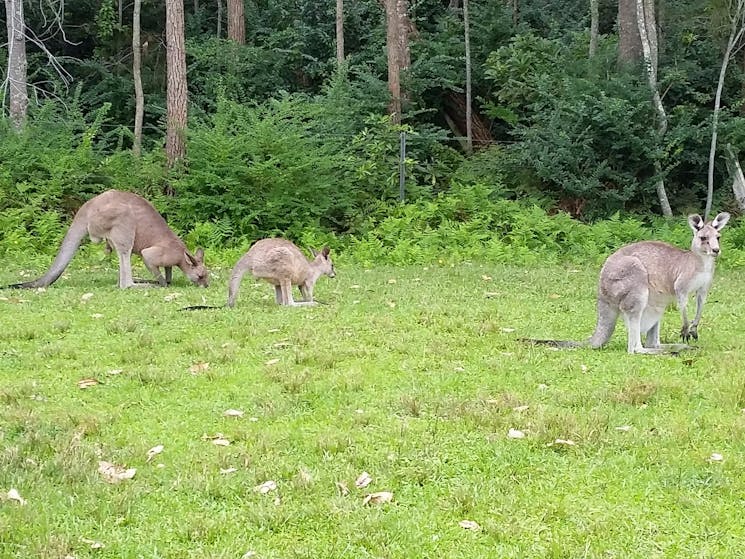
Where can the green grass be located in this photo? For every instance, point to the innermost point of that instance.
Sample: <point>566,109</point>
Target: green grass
<point>411,374</point>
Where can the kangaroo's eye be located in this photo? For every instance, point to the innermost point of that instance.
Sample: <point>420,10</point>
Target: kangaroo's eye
<point>704,239</point>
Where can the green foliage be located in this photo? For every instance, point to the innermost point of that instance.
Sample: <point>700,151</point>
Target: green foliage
<point>258,171</point>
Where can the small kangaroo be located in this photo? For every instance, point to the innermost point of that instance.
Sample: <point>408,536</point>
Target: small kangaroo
<point>640,280</point>
<point>282,264</point>
<point>129,224</point>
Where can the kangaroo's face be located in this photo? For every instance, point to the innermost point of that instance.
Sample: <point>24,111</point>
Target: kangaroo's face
<point>326,265</point>
<point>706,235</point>
<point>195,269</point>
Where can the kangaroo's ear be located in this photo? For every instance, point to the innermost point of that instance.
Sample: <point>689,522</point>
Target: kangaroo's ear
<point>326,250</point>
<point>720,221</point>
<point>696,222</point>
<point>313,251</point>
<point>190,258</point>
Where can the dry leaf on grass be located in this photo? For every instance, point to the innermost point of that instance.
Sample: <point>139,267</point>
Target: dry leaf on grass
<point>624,428</point>
<point>226,471</point>
<point>521,408</point>
<point>114,372</point>
<point>272,362</point>
<point>153,452</point>
<point>507,330</point>
<point>93,543</point>
<point>363,480</point>
<point>233,413</point>
<point>86,296</point>
<point>378,498</point>
<point>84,383</point>
<point>199,367</point>
<point>562,442</point>
<point>486,278</point>
<point>172,296</point>
<point>716,457</point>
<point>515,434</point>
<point>113,473</point>
<point>221,442</point>
<point>266,487</point>
<point>342,488</point>
<point>14,495</point>
<point>248,555</point>
<point>469,525</point>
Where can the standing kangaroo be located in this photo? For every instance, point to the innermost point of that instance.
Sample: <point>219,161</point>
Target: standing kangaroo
<point>640,280</point>
<point>282,264</point>
<point>129,224</point>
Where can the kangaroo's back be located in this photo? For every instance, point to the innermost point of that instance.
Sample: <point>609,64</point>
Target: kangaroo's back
<point>277,259</point>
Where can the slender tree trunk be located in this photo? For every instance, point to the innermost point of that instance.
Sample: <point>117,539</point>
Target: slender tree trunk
<point>629,43</point>
<point>176,89</point>
<point>394,65</point>
<point>738,179</point>
<point>236,21</point>
<point>137,75</point>
<point>17,76</point>
<point>404,28</point>
<point>339,32</point>
<point>467,41</point>
<point>736,32</point>
<point>219,18</point>
<point>594,22</point>
<point>648,39</point>
<point>121,12</point>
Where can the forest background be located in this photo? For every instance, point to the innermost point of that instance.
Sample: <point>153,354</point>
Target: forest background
<point>541,130</point>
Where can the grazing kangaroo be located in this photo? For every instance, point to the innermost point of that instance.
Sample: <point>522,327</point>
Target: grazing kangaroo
<point>129,224</point>
<point>282,264</point>
<point>640,280</point>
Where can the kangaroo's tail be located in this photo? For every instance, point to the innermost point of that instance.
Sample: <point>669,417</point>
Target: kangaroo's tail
<point>606,323</point>
<point>74,236</point>
<point>554,343</point>
<point>239,270</point>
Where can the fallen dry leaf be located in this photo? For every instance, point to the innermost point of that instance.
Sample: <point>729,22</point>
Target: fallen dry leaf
<point>172,296</point>
<point>378,498</point>
<point>515,434</point>
<point>716,457</point>
<point>248,555</point>
<point>266,487</point>
<point>93,543</point>
<point>342,488</point>
<point>486,278</point>
<point>84,383</point>
<point>97,315</point>
<point>226,471</point>
<point>14,495</point>
<point>115,372</point>
<point>86,296</point>
<point>521,408</point>
<point>562,442</point>
<point>153,452</point>
<point>469,525</point>
<point>507,330</point>
<point>233,413</point>
<point>221,442</point>
<point>624,428</point>
<point>272,362</point>
<point>199,367</point>
<point>392,280</point>
<point>363,480</point>
<point>113,473</point>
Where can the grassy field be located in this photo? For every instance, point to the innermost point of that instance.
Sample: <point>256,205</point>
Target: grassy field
<point>413,375</point>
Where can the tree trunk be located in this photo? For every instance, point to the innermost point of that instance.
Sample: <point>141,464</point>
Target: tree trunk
<point>176,89</point>
<point>137,75</point>
<point>404,29</point>
<point>236,22</point>
<point>629,42</point>
<point>394,65</point>
<point>648,39</point>
<point>736,32</point>
<point>738,179</point>
<point>467,41</point>
<point>16,79</point>
<point>594,22</point>
<point>339,32</point>
<point>219,18</point>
